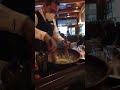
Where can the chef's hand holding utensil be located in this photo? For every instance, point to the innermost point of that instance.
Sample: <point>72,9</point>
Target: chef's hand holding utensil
<point>51,43</point>
<point>66,46</point>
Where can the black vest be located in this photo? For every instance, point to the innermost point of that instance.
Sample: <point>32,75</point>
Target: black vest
<point>44,26</point>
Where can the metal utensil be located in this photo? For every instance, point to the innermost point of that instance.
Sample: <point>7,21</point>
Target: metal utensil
<point>66,49</point>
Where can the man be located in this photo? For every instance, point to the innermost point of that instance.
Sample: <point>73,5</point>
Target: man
<point>44,36</point>
<point>45,16</point>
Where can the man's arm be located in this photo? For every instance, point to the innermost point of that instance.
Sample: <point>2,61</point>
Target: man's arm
<point>39,34</point>
<point>56,34</point>
<point>58,37</point>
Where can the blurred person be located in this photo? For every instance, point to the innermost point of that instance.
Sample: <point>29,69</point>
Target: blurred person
<point>68,34</point>
<point>16,37</point>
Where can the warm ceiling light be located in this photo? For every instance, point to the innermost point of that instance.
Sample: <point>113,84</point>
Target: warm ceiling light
<point>76,7</point>
<point>77,3</point>
<point>38,5</point>
<point>68,14</point>
<point>64,4</point>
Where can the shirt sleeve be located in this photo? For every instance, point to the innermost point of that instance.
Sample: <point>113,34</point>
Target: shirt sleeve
<point>39,34</point>
<point>56,34</point>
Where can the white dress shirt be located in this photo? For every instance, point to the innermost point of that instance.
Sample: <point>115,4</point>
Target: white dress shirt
<point>39,34</point>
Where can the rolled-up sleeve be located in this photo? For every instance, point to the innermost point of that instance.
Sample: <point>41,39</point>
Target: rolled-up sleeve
<point>39,34</point>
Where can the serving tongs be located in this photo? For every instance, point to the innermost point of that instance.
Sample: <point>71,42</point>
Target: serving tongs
<point>66,49</point>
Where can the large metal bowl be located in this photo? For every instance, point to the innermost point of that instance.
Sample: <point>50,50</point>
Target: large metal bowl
<point>73,57</point>
<point>46,66</point>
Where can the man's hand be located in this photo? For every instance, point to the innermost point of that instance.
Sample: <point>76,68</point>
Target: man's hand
<point>51,43</point>
<point>65,43</point>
